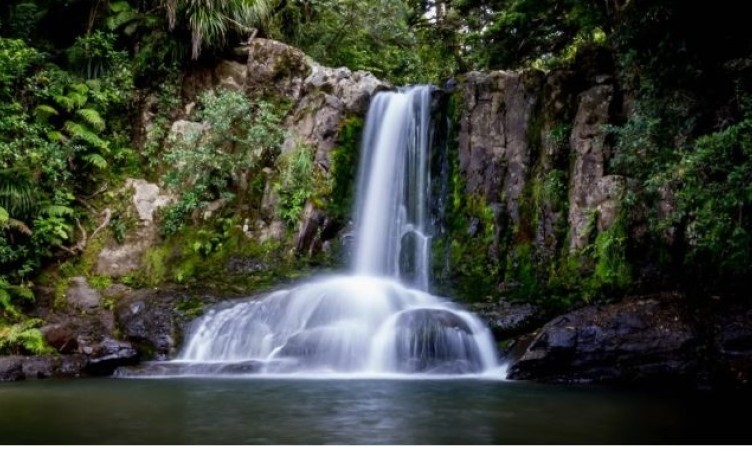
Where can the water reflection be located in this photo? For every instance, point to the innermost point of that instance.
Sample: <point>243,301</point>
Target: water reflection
<point>290,411</point>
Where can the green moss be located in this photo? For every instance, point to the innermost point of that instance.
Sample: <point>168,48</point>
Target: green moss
<point>466,255</point>
<point>190,307</point>
<point>61,291</point>
<point>155,265</point>
<point>344,159</point>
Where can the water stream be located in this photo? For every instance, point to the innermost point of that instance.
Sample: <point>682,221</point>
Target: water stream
<point>380,319</point>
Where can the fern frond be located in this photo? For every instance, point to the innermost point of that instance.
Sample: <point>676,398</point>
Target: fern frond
<point>22,293</point>
<point>58,210</point>
<point>56,136</point>
<point>80,88</point>
<point>96,160</point>
<point>7,307</point>
<point>43,113</point>
<point>23,337</point>
<point>78,99</point>
<point>65,102</point>
<point>4,216</point>
<point>79,131</point>
<point>92,117</point>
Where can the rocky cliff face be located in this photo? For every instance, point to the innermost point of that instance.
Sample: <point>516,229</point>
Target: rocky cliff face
<point>534,199</point>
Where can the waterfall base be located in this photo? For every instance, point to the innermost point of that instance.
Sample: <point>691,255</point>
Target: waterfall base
<point>340,325</point>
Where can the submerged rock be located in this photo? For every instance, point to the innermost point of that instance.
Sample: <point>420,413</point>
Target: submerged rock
<point>435,341</point>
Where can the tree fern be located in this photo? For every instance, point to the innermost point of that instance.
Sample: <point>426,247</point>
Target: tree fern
<point>209,21</point>
<point>92,117</point>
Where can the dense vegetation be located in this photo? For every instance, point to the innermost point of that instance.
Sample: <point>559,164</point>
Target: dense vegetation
<point>68,90</point>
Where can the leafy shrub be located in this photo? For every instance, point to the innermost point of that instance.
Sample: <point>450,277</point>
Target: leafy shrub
<point>207,164</point>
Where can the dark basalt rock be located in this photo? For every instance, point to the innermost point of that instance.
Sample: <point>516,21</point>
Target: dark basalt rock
<point>41,366</point>
<point>61,337</point>
<point>636,341</point>
<point>149,320</point>
<point>109,355</point>
<point>507,320</point>
<point>11,368</point>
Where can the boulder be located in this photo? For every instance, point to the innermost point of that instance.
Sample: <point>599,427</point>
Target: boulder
<point>277,68</point>
<point>435,341</point>
<point>731,348</point>
<point>61,337</point>
<point>71,366</point>
<point>120,259</point>
<point>149,319</point>
<point>642,340</point>
<point>507,320</point>
<point>109,355</point>
<point>11,368</point>
<point>41,366</point>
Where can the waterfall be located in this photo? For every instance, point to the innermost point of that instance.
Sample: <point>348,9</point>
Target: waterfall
<point>394,189</point>
<point>380,319</point>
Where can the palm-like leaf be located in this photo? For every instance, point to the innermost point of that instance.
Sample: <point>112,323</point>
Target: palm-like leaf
<point>210,21</point>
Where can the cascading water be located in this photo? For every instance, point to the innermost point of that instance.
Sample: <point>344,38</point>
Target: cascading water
<point>368,322</point>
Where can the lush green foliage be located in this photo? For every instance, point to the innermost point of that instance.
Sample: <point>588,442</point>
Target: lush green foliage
<point>57,145</point>
<point>379,36</point>
<point>207,162</point>
<point>22,338</point>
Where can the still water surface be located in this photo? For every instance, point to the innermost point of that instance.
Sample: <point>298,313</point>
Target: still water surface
<point>318,411</point>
